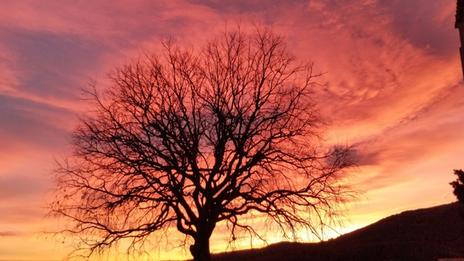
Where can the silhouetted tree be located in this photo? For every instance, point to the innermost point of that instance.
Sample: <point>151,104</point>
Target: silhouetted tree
<point>458,185</point>
<point>190,139</point>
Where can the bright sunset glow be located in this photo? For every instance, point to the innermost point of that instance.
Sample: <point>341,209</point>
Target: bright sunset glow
<point>392,86</point>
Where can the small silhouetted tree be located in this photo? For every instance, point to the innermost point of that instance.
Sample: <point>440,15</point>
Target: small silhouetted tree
<point>458,185</point>
<point>190,139</point>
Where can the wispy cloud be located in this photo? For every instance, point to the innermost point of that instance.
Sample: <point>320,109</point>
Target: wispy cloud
<point>8,234</point>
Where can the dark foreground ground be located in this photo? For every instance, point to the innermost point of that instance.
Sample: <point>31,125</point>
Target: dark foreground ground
<point>423,234</point>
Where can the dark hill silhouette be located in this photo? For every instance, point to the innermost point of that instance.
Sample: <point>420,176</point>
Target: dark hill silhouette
<point>423,234</point>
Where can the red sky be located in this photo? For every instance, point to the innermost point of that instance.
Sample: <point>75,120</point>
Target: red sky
<point>393,87</point>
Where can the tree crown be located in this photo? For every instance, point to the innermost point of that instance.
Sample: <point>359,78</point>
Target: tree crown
<point>191,139</point>
<point>458,185</point>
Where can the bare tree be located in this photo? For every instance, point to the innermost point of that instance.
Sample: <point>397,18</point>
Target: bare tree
<point>189,139</point>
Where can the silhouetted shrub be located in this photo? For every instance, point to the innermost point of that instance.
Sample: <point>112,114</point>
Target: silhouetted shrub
<point>458,185</point>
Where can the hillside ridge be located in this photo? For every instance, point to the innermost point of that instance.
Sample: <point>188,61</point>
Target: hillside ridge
<point>421,234</point>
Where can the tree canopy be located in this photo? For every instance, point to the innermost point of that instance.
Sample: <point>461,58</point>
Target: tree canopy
<point>458,185</point>
<point>192,138</point>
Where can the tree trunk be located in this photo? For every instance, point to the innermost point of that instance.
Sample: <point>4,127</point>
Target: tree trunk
<point>200,249</point>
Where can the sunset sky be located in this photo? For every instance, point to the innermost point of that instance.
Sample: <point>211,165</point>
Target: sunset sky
<point>392,86</point>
